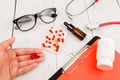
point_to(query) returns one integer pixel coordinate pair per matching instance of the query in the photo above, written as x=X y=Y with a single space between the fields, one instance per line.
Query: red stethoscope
x=92 y=26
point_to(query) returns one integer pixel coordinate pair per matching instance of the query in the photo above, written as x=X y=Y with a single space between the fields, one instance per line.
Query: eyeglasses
x=70 y=15
x=28 y=22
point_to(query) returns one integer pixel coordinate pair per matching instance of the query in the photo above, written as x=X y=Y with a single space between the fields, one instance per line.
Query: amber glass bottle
x=76 y=31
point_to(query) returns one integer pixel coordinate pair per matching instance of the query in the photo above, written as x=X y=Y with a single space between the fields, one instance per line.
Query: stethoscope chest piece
x=92 y=26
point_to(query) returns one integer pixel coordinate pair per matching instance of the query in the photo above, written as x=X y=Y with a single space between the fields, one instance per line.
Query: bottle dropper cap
x=69 y=26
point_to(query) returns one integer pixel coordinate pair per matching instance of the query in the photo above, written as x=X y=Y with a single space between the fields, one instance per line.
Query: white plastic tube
x=105 y=54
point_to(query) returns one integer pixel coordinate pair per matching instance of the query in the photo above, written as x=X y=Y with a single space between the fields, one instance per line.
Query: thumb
x=8 y=42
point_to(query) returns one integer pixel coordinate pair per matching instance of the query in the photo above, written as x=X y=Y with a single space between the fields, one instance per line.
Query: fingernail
x=38 y=51
x=40 y=59
x=42 y=55
x=12 y=37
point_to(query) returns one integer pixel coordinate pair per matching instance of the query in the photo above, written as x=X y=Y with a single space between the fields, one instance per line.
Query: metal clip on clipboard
x=72 y=60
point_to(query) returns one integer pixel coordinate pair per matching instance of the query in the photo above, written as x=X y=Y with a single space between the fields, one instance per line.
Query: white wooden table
x=103 y=11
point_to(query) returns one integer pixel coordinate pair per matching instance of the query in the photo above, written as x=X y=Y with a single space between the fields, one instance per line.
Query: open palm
x=14 y=62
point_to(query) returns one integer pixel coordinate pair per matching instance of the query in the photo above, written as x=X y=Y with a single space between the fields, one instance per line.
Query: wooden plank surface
x=103 y=11
x=35 y=37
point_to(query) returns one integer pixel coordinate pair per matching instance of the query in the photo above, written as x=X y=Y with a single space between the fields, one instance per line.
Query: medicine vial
x=76 y=31
x=105 y=54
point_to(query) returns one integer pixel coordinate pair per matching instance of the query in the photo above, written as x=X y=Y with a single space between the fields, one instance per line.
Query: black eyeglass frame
x=35 y=17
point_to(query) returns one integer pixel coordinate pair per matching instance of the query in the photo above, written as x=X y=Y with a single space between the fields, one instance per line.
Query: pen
x=72 y=60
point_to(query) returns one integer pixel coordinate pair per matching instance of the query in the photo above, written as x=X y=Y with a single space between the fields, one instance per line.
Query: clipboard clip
x=79 y=53
x=76 y=66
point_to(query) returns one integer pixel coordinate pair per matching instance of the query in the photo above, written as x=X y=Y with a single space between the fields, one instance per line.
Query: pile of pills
x=34 y=56
x=54 y=40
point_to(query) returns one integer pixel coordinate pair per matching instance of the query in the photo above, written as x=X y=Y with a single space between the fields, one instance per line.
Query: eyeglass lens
x=26 y=22
x=47 y=16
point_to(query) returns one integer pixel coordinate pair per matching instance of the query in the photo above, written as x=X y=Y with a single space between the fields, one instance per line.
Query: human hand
x=14 y=62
